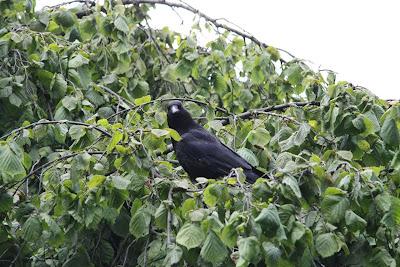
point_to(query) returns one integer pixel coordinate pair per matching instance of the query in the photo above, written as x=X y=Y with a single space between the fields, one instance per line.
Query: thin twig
x=120 y=98
x=255 y=112
x=169 y=216
x=193 y=10
x=127 y=251
x=45 y=122
x=169 y=99
x=34 y=171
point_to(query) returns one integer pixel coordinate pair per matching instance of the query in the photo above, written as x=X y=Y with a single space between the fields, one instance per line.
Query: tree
x=87 y=176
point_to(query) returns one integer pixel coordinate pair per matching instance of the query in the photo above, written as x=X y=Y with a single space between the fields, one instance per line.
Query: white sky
x=355 y=38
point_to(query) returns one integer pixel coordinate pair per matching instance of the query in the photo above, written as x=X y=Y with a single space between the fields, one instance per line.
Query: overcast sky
x=358 y=39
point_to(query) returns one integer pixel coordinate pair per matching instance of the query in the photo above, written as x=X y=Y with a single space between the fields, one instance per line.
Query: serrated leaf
x=334 y=207
x=32 y=229
x=390 y=133
x=269 y=220
x=190 y=236
x=95 y=181
x=249 y=156
x=354 y=222
x=116 y=138
x=249 y=249
x=11 y=166
x=297 y=138
x=213 y=250
x=293 y=185
x=344 y=154
x=120 y=24
x=272 y=253
x=139 y=224
x=259 y=137
x=160 y=132
x=120 y=182
x=326 y=245
x=6 y=202
x=142 y=100
x=60 y=132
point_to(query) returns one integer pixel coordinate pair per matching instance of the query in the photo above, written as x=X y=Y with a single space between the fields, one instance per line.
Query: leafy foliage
x=87 y=177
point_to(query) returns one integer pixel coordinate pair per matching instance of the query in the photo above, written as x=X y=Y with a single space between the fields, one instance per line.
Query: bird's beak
x=174 y=109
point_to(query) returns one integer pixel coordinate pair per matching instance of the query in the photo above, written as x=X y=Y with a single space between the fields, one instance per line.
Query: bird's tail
x=252 y=175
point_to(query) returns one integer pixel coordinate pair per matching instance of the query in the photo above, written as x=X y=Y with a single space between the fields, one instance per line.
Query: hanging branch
x=215 y=21
x=44 y=122
x=252 y=113
x=41 y=167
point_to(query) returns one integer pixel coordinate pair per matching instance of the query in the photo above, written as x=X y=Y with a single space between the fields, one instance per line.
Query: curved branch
x=255 y=112
x=169 y=99
x=241 y=32
x=41 y=167
x=56 y=122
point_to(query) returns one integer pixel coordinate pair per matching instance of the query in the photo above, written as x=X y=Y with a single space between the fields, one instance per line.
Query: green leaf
x=390 y=132
x=190 y=236
x=293 y=185
x=219 y=83
x=326 y=245
x=117 y=137
x=249 y=249
x=249 y=156
x=11 y=166
x=160 y=132
x=64 y=18
x=32 y=229
x=120 y=182
x=169 y=73
x=213 y=249
x=106 y=251
x=272 y=253
x=174 y=256
x=60 y=133
x=120 y=24
x=79 y=258
x=6 y=202
x=214 y=194
x=15 y=100
x=392 y=217
x=229 y=235
x=95 y=181
x=269 y=220
x=354 y=222
x=142 y=100
x=77 y=132
x=140 y=222
x=259 y=137
x=344 y=154
x=297 y=138
x=174 y=134
x=78 y=61
x=334 y=205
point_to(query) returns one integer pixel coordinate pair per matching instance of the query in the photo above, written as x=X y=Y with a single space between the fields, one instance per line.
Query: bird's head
x=179 y=118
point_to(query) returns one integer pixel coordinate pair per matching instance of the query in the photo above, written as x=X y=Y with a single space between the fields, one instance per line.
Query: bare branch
x=255 y=112
x=45 y=122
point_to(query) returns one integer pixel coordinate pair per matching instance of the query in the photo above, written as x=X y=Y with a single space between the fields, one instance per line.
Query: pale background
x=358 y=39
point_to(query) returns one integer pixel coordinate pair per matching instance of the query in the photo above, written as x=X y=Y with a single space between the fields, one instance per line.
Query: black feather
x=200 y=153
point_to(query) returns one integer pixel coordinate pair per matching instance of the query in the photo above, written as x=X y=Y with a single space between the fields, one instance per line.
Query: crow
x=199 y=152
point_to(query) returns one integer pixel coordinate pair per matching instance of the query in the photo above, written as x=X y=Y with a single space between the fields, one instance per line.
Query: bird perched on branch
x=199 y=152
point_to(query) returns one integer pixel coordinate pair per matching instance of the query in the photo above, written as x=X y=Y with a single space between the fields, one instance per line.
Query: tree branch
x=45 y=122
x=241 y=32
x=255 y=112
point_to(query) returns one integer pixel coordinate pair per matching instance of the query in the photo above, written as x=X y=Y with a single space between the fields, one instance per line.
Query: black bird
x=199 y=152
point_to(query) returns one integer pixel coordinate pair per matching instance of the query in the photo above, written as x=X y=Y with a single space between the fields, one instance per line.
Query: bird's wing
x=201 y=152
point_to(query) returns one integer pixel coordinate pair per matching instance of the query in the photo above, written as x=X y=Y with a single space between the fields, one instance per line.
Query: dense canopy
x=88 y=177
